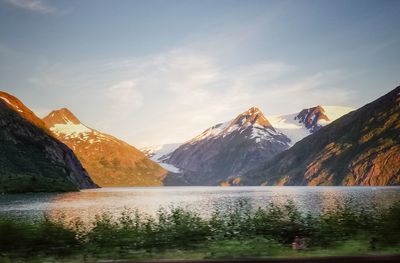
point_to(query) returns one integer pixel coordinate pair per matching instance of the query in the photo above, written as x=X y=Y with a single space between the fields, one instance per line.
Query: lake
x=87 y=203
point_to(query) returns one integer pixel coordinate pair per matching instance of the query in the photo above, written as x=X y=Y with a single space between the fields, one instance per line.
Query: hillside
x=360 y=148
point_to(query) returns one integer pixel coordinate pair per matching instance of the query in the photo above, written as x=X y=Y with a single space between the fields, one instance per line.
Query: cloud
x=174 y=95
x=36 y=6
x=124 y=97
x=190 y=77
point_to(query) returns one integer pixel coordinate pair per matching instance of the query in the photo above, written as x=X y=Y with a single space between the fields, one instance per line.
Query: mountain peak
x=251 y=123
x=253 y=110
x=252 y=116
x=63 y=121
x=312 y=118
x=61 y=116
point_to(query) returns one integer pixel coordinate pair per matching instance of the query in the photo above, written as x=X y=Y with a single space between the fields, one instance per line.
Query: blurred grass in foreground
x=240 y=232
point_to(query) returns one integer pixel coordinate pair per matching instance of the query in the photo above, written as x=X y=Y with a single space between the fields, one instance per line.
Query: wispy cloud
x=37 y=6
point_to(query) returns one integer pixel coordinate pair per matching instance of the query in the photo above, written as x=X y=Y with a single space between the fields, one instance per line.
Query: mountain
x=360 y=148
x=301 y=124
x=295 y=126
x=31 y=159
x=227 y=150
x=160 y=153
x=312 y=118
x=109 y=161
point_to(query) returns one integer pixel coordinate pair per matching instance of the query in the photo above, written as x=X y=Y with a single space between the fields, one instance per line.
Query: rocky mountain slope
x=31 y=159
x=109 y=161
x=360 y=148
x=227 y=150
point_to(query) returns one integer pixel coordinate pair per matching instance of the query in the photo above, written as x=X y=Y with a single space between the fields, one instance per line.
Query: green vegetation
x=23 y=183
x=238 y=232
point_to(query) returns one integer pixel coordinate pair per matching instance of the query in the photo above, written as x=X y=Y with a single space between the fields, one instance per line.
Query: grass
x=240 y=232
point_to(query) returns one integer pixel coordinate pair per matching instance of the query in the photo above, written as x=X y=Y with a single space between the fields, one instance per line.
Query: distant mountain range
x=31 y=159
x=109 y=161
x=360 y=148
x=228 y=150
x=321 y=145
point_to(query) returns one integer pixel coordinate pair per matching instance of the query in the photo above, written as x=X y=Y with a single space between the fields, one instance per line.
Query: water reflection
x=86 y=204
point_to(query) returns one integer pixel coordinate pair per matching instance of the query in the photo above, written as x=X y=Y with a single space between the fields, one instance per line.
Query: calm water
x=86 y=204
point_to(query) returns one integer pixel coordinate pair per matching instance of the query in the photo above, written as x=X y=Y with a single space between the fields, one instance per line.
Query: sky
x=153 y=72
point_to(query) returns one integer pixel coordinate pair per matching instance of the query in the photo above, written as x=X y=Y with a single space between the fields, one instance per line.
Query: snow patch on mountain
x=287 y=125
x=71 y=130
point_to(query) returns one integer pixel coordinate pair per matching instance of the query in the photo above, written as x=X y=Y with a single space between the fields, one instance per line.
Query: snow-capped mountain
x=228 y=149
x=299 y=125
x=109 y=161
x=312 y=118
x=251 y=123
